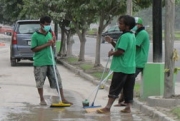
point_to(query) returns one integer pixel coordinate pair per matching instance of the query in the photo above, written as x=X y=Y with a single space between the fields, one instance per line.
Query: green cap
x=138 y=20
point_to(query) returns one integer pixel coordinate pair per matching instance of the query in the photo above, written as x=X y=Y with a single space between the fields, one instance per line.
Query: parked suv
x=20 y=47
x=113 y=32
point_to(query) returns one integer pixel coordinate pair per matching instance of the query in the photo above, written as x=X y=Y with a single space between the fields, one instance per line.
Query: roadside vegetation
x=176 y=112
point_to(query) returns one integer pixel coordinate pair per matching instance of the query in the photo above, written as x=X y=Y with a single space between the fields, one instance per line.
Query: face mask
x=134 y=29
x=47 y=28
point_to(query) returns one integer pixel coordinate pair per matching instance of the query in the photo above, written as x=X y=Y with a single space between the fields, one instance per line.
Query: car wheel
x=13 y=62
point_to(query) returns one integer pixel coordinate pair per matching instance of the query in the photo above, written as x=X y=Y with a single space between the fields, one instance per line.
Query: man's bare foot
x=43 y=102
x=120 y=104
x=126 y=110
x=103 y=110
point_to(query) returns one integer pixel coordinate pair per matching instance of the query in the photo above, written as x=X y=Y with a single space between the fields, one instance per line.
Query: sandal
x=67 y=102
x=103 y=111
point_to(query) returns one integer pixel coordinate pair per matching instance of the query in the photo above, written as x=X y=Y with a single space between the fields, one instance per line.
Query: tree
x=170 y=54
x=129 y=7
x=8 y=12
x=106 y=10
x=55 y=10
x=81 y=17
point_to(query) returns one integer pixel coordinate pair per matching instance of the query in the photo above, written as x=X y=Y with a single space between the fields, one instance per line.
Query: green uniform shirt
x=125 y=63
x=42 y=57
x=142 y=41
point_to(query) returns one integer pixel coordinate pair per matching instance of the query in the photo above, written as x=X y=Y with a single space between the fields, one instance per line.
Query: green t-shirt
x=42 y=57
x=125 y=63
x=142 y=41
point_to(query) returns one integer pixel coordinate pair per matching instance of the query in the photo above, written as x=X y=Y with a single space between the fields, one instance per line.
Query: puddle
x=31 y=112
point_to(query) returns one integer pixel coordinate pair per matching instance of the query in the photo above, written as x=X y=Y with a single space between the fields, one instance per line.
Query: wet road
x=19 y=100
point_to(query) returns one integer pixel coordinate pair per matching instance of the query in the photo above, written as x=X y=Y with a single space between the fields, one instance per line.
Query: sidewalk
x=142 y=106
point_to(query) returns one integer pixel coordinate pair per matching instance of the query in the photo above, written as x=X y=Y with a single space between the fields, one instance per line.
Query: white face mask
x=47 y=28
x=134 y=29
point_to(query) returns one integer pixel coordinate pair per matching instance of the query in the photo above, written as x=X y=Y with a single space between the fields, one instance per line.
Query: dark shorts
x=40 y=74
x=119 y=81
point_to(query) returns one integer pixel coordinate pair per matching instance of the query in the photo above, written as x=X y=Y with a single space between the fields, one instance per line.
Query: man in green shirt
x=123 y=64
x=142 y=50
x=43 y=63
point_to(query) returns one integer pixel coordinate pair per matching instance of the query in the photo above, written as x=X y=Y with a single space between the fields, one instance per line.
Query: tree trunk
x=129 y=7
x=169 y=45
x=98 y=39
x=70 y=42
x=62 y=51
x=82 y=39
x=98 y=48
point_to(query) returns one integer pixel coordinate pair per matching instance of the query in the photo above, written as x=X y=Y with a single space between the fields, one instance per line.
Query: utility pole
x=157 y=30
x=56 y=30
x=129 y=4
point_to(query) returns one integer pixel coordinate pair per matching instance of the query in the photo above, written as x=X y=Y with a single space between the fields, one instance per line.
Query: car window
x=28 y=28
x=114 y=28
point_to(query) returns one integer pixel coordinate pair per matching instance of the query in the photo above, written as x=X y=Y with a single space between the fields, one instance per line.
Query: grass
x=137 y=88
x=86 y=66
x=176 y=111
x=99 y=74
x=92 y=31
x=177 y=36
x=72 y=59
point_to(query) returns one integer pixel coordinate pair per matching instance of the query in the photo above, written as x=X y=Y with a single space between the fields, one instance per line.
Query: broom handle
x=101 y=78
x=105 y=68
x=99 y=86
x=52 y=57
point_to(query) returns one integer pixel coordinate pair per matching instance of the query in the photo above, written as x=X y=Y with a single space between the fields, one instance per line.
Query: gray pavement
x=19 y=100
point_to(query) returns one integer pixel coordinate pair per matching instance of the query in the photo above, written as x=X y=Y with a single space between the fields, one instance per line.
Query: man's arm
x=118 y=52
x=113 y=43
x=38 y=48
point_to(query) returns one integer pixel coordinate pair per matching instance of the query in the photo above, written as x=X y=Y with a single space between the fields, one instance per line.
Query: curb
x=136 y=104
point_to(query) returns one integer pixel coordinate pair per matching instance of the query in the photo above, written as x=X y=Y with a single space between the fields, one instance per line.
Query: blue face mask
x=47 y=28
x=134 y=29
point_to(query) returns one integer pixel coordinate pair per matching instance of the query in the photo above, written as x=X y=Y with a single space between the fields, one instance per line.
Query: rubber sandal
x=66 y=102
x=101 y=111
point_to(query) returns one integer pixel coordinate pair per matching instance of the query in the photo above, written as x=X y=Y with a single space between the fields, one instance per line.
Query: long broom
x=86 y=102
x=92 y=108
x=60 y=103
